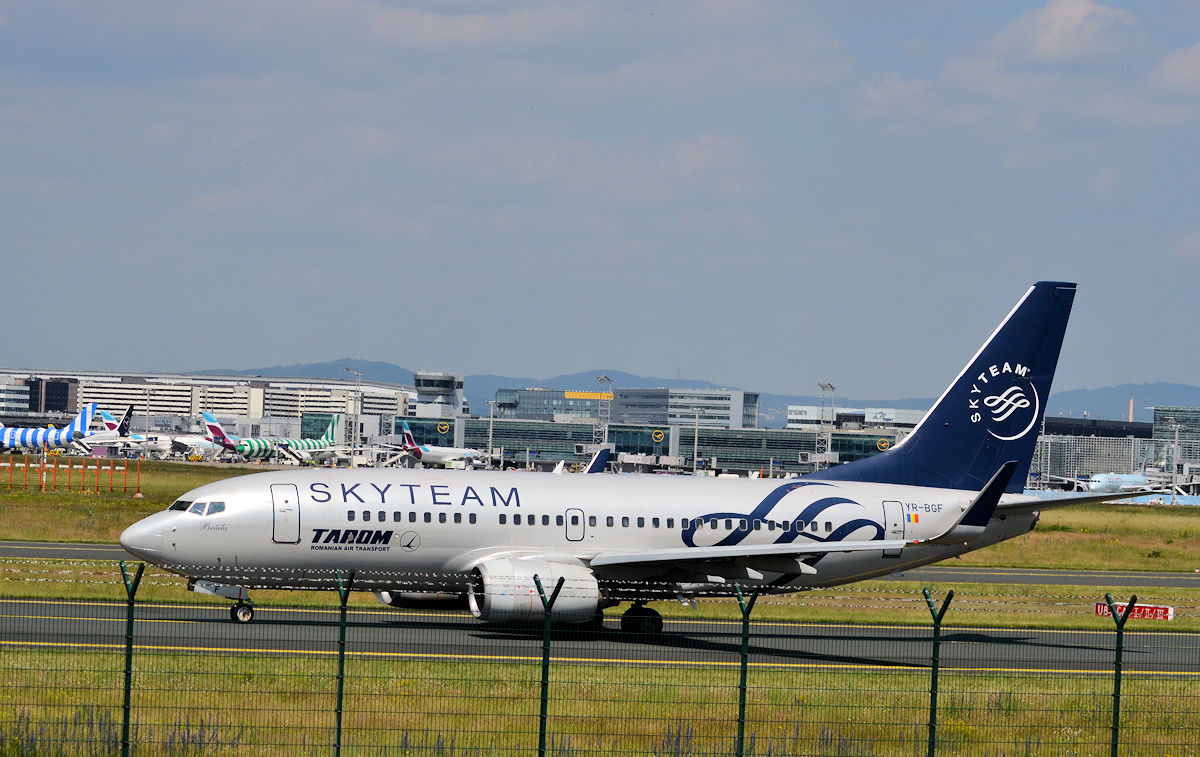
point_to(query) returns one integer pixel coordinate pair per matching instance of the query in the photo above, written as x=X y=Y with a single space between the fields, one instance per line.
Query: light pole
x=491 y=420
x=357 y=407
x=696 y=441
x=1174 y=426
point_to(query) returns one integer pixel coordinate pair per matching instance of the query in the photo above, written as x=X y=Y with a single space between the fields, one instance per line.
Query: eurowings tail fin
x=992 y=411
x=409 y=444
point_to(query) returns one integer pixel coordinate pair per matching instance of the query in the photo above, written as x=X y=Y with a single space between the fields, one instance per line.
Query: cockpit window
x=197 y=508
x=216 y=507
x=180 y=505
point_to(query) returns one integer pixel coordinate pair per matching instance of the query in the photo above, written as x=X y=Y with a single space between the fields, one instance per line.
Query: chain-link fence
x=149 y=678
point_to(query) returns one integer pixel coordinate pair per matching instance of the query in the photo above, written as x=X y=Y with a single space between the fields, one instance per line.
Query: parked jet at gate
x=429 y=454
x=300 y=450
x=35 y=438
x=952 y=486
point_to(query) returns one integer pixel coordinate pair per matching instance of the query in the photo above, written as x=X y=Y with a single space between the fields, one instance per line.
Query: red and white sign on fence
x=1147 y=612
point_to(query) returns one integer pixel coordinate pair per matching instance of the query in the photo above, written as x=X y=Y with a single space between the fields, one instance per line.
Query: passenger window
x=441 y=517
x=428 y=518
x=558 y=520
x=350 y=515
x=641 y=522
x=670 y=523
x=624 y=521
x=684 y=523
x=758 y=525
x=812 y=526
x=382 y=516
x=743 y=525
x=728 y=524
x=828 y=526
x=216 y=507
x=458 y=517
x=654 y=522
x=799 y=525
x=545 y=520
x=713 y=523
x=471 y=517
x=574 y=520
x=412 y=517
x=503 y=519
x=366 y=516
x=609 y=521
x=197 y=508
x=532 y=519
x=517 y=519
x=396 y=517
x=592 y=521
x=180 y=505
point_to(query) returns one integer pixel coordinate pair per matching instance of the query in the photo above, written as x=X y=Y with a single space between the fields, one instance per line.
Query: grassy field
x=285 y=705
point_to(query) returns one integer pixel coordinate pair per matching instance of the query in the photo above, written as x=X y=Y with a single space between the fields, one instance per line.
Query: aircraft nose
x=143 y=540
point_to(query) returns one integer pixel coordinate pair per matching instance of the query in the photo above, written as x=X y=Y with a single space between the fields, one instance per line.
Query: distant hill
x=1107 y=402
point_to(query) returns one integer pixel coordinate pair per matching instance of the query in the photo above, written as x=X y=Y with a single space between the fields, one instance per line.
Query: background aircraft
x=35 y=438
x=262 y=446
x=428 y=454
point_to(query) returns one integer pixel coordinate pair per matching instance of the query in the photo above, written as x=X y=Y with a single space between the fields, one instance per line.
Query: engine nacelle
x=415 y=600
x=504 y=590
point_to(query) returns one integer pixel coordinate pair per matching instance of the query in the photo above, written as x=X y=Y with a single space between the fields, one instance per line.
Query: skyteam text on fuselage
x=486 y=538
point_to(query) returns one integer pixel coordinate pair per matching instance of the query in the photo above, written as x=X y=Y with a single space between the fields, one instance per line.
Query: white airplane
x=428 y=454
x=487 y=538
x=113 y=434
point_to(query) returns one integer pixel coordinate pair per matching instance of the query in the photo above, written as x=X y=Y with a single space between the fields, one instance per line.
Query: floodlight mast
x=357 y=406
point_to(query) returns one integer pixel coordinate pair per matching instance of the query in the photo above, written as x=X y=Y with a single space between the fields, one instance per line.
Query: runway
x=65 y=625
x=942 y=573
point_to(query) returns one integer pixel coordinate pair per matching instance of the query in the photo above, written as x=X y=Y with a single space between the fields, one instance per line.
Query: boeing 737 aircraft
x=300 y=450
x=953 y=485
x=429 y=454
x=36 y=438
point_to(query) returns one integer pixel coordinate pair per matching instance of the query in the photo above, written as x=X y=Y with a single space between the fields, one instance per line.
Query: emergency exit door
x=286 y=504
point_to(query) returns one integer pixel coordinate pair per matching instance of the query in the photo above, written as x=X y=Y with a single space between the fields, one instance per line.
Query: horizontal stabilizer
x=975 y=518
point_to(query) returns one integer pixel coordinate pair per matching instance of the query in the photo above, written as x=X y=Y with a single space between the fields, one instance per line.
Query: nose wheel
x=241 y=613
x=643 y=620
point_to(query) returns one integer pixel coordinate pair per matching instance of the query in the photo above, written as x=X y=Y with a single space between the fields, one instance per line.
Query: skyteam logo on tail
x=1003 y=397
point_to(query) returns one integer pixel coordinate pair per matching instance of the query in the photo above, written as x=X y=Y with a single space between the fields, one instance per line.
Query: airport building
x=709 y=408
x=438 y=395
x=813 y=417
x=187 y=395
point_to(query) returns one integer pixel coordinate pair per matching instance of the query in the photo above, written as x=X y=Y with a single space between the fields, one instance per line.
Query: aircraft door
x=285 y=500
x=575 y=526
x=893 y=524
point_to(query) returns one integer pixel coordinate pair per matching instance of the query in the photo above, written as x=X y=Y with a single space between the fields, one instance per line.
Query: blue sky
x=764 y=195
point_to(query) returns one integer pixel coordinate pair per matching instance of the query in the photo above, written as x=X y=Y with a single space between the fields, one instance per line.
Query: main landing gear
x=643 y=620
x=242 y=612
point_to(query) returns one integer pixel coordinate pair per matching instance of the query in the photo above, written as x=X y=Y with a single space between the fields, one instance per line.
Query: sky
x=759 y=194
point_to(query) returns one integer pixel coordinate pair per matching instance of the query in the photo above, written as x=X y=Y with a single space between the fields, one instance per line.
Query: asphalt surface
x=403 y=635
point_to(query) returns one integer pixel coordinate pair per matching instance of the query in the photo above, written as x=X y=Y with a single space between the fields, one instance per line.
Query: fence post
x=937 y=615
x=547 y=604
x=131 y=588
x=740 y=745
x=1116 y=708
x=343 y=595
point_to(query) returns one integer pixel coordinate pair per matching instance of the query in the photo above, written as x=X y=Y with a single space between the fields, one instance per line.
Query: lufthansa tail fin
x=990 y=414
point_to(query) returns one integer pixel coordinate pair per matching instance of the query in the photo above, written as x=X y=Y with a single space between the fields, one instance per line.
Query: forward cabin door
x=286 y=503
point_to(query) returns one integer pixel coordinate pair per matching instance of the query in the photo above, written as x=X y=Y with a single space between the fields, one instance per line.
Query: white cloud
x=1104 y=181
x=1064 y=31
x=1187 y=246
x=1179 y=72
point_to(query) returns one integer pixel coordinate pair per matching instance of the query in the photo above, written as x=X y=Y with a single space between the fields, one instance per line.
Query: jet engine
x=504 y=590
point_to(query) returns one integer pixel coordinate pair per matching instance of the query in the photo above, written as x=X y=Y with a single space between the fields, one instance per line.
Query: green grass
x=213 y=704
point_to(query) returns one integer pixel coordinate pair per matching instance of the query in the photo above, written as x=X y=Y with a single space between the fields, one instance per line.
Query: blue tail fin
x=991 y=413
